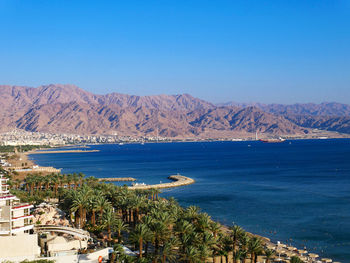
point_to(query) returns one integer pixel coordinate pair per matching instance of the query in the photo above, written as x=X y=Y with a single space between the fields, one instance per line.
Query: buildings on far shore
x=18 y=137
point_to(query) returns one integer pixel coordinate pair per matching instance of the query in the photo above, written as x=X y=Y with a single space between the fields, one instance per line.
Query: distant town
x=19 y=137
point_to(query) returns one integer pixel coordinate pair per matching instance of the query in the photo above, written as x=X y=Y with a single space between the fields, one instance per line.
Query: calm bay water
x=297 y=192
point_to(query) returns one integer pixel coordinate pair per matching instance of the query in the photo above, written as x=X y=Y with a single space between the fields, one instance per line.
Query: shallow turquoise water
x=296 y=192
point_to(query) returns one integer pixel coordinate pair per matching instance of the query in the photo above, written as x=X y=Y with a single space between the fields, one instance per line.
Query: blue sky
x=266 y=51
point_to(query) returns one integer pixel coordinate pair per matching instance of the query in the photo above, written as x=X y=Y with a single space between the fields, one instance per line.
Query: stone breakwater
x=179 y=180
x=37 y=169
x=117 y=179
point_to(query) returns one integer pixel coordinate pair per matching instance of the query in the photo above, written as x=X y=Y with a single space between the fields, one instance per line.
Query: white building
x=16 y=242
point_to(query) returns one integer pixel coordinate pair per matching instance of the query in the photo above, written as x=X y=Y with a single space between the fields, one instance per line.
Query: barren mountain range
x=69 y=109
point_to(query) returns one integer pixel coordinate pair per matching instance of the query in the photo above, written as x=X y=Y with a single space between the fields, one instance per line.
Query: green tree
x=236 y=232
x=269 y=253
x=119 y=227
x=140 y=234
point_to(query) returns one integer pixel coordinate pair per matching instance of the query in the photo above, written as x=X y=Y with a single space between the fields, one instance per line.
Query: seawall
x=179 y=180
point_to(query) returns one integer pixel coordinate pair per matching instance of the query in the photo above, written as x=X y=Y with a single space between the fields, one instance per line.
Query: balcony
x=7 y=197
x=4 y=220
x=21 y=206
x=14 y=219
x=22 y=228
x=4 y=231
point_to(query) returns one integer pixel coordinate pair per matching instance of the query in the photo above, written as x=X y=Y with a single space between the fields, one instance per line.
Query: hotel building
x=16 y=240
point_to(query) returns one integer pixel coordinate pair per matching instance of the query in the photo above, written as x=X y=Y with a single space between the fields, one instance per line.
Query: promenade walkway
x=62 y=229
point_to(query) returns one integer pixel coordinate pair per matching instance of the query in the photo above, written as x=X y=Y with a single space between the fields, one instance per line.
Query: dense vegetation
x=21 y=148
x=159 y=229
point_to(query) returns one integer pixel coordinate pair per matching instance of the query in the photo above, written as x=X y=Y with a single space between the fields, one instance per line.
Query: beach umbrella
x=271 y=246
x=326 y=260
x=290 y=253
x=302 y=251
x=282 y=245
x=313 y=255
x=291 y=248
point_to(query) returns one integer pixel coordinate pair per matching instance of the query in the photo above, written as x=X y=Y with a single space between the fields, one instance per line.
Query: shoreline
x=63 y=151
x=283 y=251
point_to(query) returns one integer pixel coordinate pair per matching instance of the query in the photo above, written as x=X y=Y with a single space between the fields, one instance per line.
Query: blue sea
x=296 y=192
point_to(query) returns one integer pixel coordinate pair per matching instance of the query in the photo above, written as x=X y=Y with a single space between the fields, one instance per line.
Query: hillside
x=69 y=109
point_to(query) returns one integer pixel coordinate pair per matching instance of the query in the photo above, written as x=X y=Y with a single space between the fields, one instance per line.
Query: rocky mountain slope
x=329 y=116
x=69 y=109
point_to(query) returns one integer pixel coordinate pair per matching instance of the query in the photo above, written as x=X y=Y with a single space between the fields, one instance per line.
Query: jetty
x=35 y=168
x=179 y=180
x=117 y=179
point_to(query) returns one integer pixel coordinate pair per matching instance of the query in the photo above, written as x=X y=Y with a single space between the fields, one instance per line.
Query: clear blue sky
x=266 y=51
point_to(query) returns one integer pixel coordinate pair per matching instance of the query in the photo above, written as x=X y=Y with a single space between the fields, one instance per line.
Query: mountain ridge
x=66 y=108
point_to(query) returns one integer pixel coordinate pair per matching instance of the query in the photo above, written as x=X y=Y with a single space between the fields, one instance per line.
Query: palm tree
x=215 y=228
x=136 y=203
x=101 y=204
x=140 y=234
x=244 y=254
x=80 y=203
x=182 y=228
x=236 y=232
x=120 y=226
x=192 y=212
x=204 y=252
x=55 y=180
x=191 y=254
x=47 y=180
x=93 y=208
x=244 y=240
x=62 y=180
x=268 y=254
x=168 y=252
x=39 y=181
x=17 y=183
x=226 y=245
x=81 y=178
x=69 y=180
x=295 y=259
x=203 y=222
x=160 y=232
x=237 y=256
x=77 y=205
x=109 y=220
x=156 y=193
x=255 y=248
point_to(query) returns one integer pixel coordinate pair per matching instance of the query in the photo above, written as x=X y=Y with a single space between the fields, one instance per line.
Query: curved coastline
x=180 y=180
